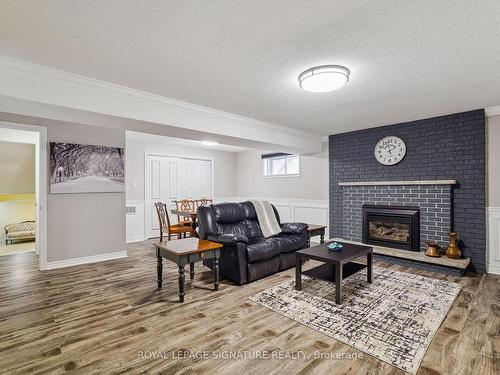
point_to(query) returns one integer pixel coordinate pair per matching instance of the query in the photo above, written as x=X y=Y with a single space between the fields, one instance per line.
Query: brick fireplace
x=432 y=198
x=443 y=174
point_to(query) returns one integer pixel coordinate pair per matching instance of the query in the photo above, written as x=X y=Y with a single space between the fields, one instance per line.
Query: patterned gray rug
x=394 y=319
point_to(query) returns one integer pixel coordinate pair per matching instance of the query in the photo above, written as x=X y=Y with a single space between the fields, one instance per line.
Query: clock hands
x=389 y=148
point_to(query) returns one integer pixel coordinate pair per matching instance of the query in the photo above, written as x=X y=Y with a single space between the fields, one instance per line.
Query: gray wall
x=80 y=225
x=224 y=166
x=85 y=224
x=17 y=168
x=311 y=184
x=445 y=147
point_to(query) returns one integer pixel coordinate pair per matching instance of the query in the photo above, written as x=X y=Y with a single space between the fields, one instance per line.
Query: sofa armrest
x=228 y=239
x=293 y=228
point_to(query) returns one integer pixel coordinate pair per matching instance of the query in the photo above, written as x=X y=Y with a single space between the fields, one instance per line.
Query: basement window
x=281 y=165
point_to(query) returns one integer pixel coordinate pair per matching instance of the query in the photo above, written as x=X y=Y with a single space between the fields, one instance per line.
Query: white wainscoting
x=493 y=256
x=135 y=222
x=309 y=211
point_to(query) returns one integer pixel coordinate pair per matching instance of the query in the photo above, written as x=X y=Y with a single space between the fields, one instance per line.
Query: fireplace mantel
x=387 y=183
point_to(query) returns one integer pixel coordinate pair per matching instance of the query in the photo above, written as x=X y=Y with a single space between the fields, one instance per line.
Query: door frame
x=41 y=183
x=147 y=213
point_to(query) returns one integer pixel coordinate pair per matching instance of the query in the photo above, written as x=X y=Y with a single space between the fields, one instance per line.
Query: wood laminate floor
x=108 y=318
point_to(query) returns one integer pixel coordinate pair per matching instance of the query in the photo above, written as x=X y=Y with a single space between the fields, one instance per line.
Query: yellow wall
x=16 y=197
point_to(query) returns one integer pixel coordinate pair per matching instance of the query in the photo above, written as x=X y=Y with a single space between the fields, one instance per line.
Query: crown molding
x=492 y=111
x=33 y=82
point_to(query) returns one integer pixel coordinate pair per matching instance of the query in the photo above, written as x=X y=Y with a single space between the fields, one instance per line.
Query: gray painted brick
x=432 y=154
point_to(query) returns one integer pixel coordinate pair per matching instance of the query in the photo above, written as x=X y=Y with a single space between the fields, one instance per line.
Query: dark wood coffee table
x=338 y=264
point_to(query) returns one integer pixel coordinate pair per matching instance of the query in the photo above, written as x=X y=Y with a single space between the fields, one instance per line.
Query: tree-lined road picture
x=76 y=168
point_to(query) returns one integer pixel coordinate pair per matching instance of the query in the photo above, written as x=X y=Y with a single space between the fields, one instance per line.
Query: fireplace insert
x=392 y=226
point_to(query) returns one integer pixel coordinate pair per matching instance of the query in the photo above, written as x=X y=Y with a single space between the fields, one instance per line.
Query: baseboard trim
x=135 y=239
x=494 y=269
x=85 y=260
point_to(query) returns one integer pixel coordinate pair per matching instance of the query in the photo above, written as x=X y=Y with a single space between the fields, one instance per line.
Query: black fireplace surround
x=392 y=226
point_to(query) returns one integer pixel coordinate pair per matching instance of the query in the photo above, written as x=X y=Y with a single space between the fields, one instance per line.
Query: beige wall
x=81 y=225
x=17 y=168
x=224 y=166
x=493 y=161
x=311 y=184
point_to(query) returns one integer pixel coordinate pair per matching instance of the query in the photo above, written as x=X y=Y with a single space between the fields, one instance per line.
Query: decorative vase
x=453 y=251
x=432 y=249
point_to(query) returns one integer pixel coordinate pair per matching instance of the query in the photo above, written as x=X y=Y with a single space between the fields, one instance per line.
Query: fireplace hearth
x=392 y=226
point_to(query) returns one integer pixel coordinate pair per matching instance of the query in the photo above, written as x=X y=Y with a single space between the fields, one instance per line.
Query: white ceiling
x=409 y=59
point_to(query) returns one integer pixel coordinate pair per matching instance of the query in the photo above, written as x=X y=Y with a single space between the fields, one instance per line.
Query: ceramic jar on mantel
x=453 y=251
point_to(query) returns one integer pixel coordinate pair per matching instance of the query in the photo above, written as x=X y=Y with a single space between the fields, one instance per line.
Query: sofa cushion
x=293 y=228
x=254 y=229
x=236 y=228
x=250 y=212
x=21 y=235
x=229 y=213
x=261 y=249
x=290 y=242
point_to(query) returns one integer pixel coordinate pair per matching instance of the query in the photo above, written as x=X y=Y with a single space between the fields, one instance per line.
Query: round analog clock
x=390 y=150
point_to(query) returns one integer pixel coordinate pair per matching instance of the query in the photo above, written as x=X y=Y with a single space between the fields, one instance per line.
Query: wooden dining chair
x=203 y=202
x=168 y=229
x=185 y=205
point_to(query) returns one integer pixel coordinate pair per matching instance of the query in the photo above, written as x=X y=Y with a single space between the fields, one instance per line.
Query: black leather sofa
x=247 y=255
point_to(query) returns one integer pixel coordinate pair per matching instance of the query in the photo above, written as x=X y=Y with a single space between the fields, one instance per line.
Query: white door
x=169 y=179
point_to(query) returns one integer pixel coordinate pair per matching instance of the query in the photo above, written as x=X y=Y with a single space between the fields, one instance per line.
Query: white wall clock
x=390 y=150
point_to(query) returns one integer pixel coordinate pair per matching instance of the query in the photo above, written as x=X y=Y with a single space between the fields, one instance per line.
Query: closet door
x=204 y=183
x=154 y=192
x=169 y=179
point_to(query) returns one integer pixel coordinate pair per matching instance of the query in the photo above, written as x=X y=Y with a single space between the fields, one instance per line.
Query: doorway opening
x=22 y=191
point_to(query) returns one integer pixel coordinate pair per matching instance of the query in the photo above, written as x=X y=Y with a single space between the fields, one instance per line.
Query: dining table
x=187 y=214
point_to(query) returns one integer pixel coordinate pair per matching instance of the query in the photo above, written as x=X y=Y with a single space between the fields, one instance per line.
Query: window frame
x=267 y=162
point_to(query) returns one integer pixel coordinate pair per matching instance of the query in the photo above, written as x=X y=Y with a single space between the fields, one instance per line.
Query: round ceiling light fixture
x=324 y=78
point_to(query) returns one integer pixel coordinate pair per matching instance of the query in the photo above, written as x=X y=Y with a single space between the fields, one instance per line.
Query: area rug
x=394 y=319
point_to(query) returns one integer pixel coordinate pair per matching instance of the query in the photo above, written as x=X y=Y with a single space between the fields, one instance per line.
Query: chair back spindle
x=163 y=219
x=203 y=202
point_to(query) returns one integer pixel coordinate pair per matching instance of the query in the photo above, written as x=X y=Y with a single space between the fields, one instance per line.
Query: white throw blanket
x=266 y=217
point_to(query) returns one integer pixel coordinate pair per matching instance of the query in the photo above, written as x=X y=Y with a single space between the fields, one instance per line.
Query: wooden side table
x=184 y=251
x=316 y=230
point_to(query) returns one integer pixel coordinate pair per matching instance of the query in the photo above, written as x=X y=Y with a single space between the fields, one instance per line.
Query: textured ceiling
x=409 y=59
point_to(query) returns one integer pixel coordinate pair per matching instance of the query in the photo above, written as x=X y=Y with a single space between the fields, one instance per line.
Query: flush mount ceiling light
x=324 y=78
x=209 y=143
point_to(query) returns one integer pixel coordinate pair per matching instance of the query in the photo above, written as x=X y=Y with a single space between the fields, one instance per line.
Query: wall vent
x=130 y=210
